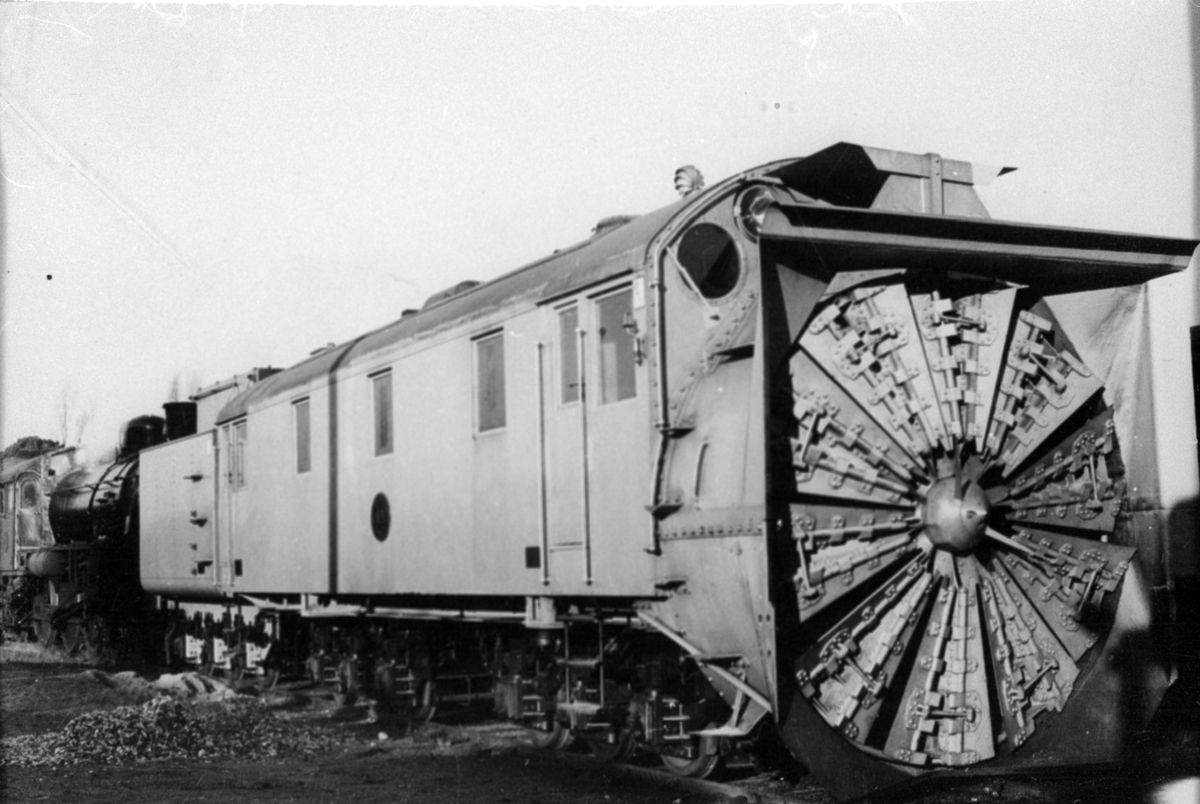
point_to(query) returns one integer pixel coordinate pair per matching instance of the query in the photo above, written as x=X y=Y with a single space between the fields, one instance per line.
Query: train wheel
x=93 y=638
x=74 y=637
x=314 y=668
x=207 y=666
x=428 y=703
x=556 y=739
x=42 y=626
x=346 y=693
x=618 y=749
x=957 y=515
x=703 y=765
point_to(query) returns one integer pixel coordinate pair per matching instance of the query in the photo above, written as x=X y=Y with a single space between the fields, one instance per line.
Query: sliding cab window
x=489 y=382
x=300 y=413
x=29 y=495
x=237 y=455
x=381 y=394
x=568 y=350
x=615 y=316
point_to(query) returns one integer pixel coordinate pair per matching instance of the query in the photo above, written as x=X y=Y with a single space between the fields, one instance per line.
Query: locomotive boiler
x=820 y=450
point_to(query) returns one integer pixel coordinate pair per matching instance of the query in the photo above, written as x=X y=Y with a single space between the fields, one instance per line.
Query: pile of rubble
x=168 y=728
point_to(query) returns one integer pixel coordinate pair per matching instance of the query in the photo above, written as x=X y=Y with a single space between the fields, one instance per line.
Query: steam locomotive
x=820 y=451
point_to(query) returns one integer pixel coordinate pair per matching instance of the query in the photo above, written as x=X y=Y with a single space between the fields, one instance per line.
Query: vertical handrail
x=583 y=438
x=543 y=523
x=663 y=424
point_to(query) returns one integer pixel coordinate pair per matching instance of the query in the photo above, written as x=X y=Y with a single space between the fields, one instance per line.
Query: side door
x=596 y=439
x=231 y=463
x=565 y=496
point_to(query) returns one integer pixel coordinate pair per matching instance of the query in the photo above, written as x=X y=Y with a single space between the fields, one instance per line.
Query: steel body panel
x=724 y=607
x=715 y=547
x=464 y=505
x=427 y=476
x=279 y=518
x=177 y=510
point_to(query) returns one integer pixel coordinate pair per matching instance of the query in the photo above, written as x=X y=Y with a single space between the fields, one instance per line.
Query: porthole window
x=710 y=257
x=381 y=516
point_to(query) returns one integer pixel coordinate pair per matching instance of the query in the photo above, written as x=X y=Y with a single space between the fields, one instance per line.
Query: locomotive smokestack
x=181 y=419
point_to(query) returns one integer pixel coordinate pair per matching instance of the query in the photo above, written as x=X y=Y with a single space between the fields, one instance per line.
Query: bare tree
x=66 y=405
x=72 y=412
x=83 y=418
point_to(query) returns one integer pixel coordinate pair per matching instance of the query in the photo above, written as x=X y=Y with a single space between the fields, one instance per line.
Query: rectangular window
x=489 y=381
x=617 y=377
x=382 y=391
x=568 y=347
x=239 y=455
x=303 y=437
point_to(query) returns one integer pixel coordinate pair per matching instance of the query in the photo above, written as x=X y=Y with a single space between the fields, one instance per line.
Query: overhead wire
x=63 y=154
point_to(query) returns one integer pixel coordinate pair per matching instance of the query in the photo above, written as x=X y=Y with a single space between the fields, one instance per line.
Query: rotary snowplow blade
x=968 y=487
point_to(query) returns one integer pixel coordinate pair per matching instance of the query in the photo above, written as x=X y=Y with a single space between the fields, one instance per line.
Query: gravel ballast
x=167 y=728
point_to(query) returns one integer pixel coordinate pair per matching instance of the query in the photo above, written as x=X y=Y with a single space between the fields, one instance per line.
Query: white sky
x=218 y=187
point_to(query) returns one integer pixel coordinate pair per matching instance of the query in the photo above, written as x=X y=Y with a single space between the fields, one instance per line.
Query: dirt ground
x=380 y=760
x=348 y=755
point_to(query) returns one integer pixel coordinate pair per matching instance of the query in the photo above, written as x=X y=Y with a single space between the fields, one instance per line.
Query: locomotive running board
x=306 y=608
